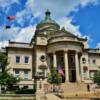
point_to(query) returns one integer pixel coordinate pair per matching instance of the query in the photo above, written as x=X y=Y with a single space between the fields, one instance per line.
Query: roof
x=93 y=51
x=19 y=45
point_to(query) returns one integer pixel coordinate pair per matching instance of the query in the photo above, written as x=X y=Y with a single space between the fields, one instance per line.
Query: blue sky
x=81 y=17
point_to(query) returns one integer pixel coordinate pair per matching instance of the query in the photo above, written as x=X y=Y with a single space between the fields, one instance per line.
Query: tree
x=3 y=61
x=6 y=79
x=96 y=77
x=55 y=77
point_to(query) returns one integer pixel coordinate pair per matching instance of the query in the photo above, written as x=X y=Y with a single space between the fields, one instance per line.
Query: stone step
x=74 y=87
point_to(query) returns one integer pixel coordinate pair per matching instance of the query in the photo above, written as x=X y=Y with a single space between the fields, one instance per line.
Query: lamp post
x=33 y=82
x=40 y=83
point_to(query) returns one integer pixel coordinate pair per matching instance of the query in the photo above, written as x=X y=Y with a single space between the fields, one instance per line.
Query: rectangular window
x=16 y=73
x=94 y=61
x=26 y=60
x=72 y=59
x=26 y=75
x=17 y=59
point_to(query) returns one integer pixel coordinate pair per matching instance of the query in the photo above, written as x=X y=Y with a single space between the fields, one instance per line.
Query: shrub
x=25 y=91
x=96 y=78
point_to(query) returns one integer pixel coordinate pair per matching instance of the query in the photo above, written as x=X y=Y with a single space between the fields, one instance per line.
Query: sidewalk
x=52 y=97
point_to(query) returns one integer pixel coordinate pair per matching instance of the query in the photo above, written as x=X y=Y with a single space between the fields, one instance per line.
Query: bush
x=55 y=77
x=96 y=77
x=25 y=91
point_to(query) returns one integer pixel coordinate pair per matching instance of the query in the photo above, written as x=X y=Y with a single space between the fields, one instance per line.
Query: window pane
x=26 y=60
x=17 y=59
x=94 y=61
x=16 y=73
x=26 y=75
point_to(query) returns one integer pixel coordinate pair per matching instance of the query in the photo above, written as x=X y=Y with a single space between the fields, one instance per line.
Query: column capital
x=54 y=52
x=76 y=52
x=65 y=51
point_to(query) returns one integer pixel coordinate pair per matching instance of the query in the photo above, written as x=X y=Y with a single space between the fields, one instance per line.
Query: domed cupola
x=47 y=23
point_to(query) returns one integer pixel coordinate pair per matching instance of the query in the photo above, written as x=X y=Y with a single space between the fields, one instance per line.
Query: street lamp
x=33 y=82
x=40 y=83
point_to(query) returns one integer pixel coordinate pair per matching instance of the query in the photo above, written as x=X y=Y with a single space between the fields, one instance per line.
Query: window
x=26 y=60
x=16 y=73
x=17 y=59
x=25 y=87
x=83 y=60
x=26 y=75
x=72 y=59
x=94 y=61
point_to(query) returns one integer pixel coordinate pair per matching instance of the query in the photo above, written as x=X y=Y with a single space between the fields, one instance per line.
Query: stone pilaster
x=82 y=77
x=66 y=66
x=77 y=67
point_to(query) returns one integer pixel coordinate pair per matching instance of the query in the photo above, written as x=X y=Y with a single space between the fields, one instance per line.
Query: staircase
x=74 y=87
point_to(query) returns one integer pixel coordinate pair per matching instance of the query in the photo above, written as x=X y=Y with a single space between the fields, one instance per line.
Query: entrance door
x=73 y=76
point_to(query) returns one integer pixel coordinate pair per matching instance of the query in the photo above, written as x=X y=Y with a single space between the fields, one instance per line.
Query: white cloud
x=87 y=2
x=3 y=43
x=16 y=34
x=25 y=34
x=6 y=3
x=66 y=22
x=74 y=29
x=30 y=4
x=98 y=45
x=6 y=34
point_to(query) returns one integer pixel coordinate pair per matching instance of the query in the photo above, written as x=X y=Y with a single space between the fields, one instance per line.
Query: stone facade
x=52 y=47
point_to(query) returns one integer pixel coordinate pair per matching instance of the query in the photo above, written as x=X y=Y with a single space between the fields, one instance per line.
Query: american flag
x=60 y=70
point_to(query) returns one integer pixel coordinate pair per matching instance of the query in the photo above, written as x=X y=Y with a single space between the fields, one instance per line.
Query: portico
x=68 y=60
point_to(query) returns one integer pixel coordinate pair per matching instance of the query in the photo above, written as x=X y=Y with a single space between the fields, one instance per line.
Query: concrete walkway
x=52 y=97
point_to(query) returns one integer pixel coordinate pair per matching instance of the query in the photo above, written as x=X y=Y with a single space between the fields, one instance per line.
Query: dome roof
x=48 y=21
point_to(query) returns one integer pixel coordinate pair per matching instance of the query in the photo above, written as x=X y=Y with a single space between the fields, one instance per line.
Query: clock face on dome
x=43 y=58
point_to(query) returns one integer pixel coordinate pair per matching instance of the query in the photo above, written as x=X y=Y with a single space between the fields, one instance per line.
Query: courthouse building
x=52 y=46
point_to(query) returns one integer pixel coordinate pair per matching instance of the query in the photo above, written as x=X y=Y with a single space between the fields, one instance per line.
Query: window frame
x=94 y=61
x=17 y=61
x=25 y=59
x=17 y=74
x=26 y=74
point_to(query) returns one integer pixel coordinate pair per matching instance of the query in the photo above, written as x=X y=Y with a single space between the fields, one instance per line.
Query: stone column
x=81 y=68
x=66 y=67
x=82 y=76
x=77 y=67
x=54 y=60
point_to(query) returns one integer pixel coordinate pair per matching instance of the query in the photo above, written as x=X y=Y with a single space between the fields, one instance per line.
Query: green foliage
x=8 y=79
x=25 y=91
x=5 y=78
x=96 y=77
x=3 y=61
x=55 y=77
